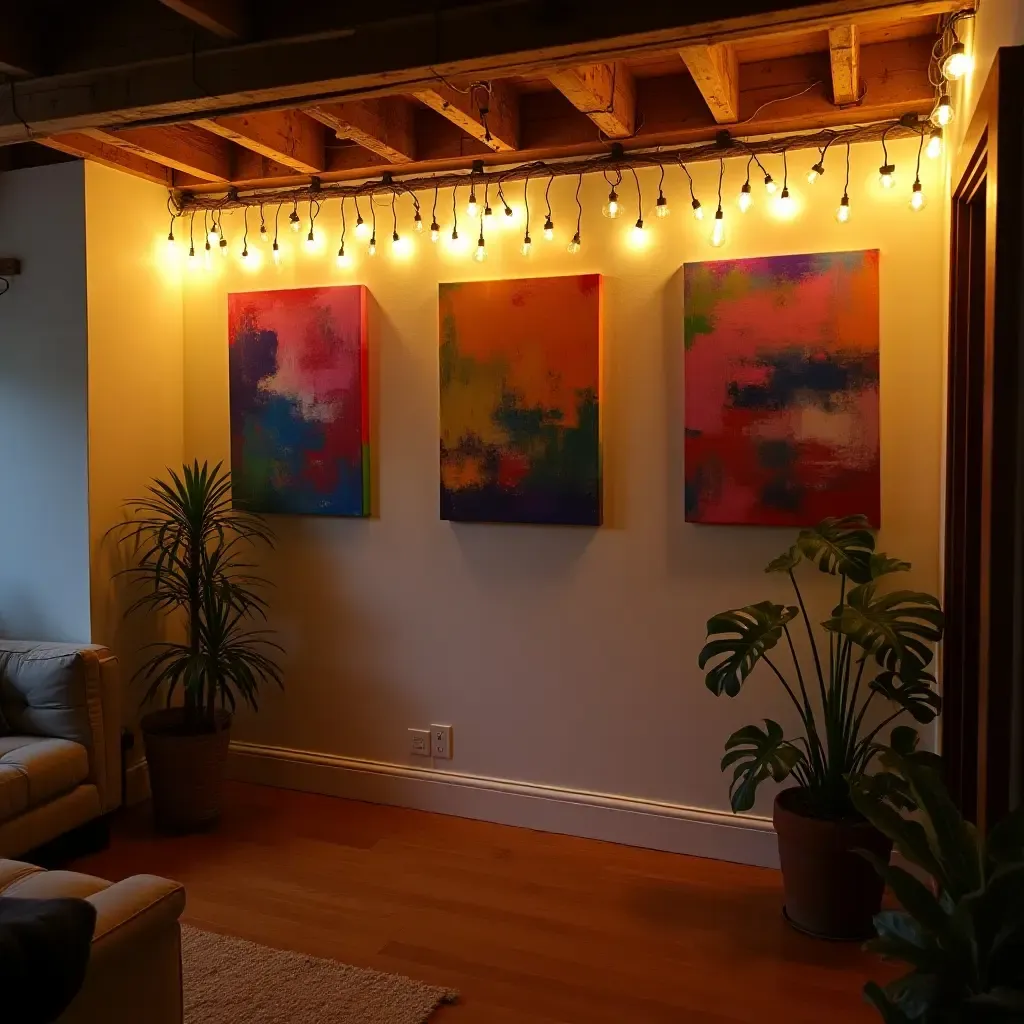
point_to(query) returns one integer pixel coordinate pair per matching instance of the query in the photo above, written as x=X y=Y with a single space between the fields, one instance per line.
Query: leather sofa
x=60 y=740
x=134 y=972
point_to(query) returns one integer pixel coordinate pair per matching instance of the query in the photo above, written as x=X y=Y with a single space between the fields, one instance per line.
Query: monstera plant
x=873 y=651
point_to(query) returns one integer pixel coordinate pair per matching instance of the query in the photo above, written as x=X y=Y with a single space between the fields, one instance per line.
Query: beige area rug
x=231 y=981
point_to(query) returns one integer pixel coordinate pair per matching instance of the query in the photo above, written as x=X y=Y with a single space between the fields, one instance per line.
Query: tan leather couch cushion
x=35 y=770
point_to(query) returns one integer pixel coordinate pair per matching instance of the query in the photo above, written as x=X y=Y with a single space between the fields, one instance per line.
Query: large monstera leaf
x=758 y=754
x=917 y=695
x=899 y=629
x=839 y=546
x=745 y=635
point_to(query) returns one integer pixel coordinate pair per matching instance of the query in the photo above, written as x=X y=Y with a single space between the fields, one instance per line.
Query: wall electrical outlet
x=419 y=742
x=441 y=740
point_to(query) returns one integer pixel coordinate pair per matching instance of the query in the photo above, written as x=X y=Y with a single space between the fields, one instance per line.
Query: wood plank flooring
x=530 y=927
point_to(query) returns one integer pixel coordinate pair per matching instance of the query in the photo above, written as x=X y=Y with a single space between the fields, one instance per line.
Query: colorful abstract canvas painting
x=781 y=389
x=520 y=401
x=299 y=416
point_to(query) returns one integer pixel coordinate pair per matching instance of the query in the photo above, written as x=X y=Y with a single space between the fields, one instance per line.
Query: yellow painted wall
x=564 y=657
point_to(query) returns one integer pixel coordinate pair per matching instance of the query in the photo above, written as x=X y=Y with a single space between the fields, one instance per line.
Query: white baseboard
x=136 y=783
x=660 y=826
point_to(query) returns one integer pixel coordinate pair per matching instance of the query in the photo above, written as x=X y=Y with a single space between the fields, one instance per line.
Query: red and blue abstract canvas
x=520 y=401
x=299 y=416
x=781 y=388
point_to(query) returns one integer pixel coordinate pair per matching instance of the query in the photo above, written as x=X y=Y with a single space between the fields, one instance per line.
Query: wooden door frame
x=982 y=719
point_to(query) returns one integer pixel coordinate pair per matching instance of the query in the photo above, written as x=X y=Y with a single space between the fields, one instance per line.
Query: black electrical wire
x=455 y=213
x=579 y=205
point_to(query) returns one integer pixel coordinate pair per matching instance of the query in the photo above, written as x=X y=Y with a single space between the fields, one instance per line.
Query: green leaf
x=899 y=629
x=915 y=994
x=745 y=636
x=840 y=546
x=785 y=562
x=891 y=1014
x=923 y=914
x=887 y=786
x=881 y=564
x=904 y=739
x=758 y=754
x=915 y=696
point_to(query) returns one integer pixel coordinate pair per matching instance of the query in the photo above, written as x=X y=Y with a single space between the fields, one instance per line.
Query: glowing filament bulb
x=342 y=260
x=471 y=208
x=396 y=242
x=612 y=209
x=191 y=252
x=170 y=240
x=372 y=248
x=843 y=210
x=223 y=247
x=245 y=252
x=661 y=206
x=263 y=232
x=212 y=237
x=917 y=197
x=745 y=198
x=488 y=212
x=958 y=62
x=527 y=244
x=275 y=254
x=293 y=220
x=718 y=230
x=816 y=171
x=887 y=175
x=549 y=229
x=769 y=184
x=361 y=228
x=574 y=245
x=208 y=257
x=481 y=250
x=310 y=241
x=934 y=148
x=417 y=222
x=943 y=112
x=435 y=231
x=784 y=204
x=638 y=231
x=698 y=210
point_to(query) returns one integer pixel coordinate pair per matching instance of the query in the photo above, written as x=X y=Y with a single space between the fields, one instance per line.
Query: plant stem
x=789 y=690
x=810 y=635
x=817 y=755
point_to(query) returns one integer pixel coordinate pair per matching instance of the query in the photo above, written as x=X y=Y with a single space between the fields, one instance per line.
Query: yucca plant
x=962 y=935
x=190 y=550
x=874 y=644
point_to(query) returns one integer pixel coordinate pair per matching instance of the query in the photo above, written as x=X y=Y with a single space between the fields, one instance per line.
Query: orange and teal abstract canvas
x=299 y=411
x=782 y=376
x=520 y=401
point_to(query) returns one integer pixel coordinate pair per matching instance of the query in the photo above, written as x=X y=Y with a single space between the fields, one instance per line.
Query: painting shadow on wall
x=521 y=553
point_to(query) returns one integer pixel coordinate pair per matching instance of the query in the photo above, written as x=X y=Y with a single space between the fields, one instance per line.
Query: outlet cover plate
x=419 y=742
x=441 y=740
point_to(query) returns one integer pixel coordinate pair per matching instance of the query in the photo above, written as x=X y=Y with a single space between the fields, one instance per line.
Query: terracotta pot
x=831 y=892
x=186 y=769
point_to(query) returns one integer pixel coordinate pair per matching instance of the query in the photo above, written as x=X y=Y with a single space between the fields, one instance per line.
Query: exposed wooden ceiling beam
x=606 y=93
x=400 y=56
x=287 y=136
x=87 y=148
x=498 y=129
x=183 y=147
x=224 y=18
x=716 y=72
x=844 y=55
x=385 y=126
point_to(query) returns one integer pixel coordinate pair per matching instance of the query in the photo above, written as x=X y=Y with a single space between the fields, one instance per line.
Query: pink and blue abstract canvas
x=299 y=410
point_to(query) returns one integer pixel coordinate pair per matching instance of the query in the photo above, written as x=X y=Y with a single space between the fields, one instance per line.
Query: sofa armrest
x=70 y=692
x=128 y=910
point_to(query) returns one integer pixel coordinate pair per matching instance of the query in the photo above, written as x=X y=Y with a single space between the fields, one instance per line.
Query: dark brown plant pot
x=831 y=891
x=186 y=769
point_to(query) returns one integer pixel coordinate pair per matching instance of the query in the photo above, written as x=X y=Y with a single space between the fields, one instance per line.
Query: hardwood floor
x=530 y=927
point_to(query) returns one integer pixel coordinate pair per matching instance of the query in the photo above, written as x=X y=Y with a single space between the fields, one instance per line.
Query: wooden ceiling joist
x=606 y=93
x=498 y=129
x=182 y=147
x=385 y=126
x=844 y=56
x=716 y=72
x=87 y=148
x=286 y=136
x=224 y=18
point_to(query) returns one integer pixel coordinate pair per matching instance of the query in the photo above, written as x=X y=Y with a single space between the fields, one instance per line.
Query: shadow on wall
x=506 y=552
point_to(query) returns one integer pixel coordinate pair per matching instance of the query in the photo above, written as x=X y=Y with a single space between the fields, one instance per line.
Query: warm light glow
x=401 y=248
x=917 y=197
x=843 y=210
x=371 y=249
x=958 y=63
x=698 y=210
x=574 y=245
x=934 y=148
x=310 y=241
x=745 y=199
x=170 y=243
x=612 y=208
x=488 y=214
x=362 y=228
x=769 y=184
x=263 y=233
x=661 y=207
x=213 y=238
x=511 y=218
x=815 y=172
x=208 y=258
x=276 y=254
x=638 y=238
x=784 y=205
x=343 y=259
x=887 y=175
x=435 y=231
x=293 y=220
x=481 y=250
x=471 y=208
x=942 y=115
x=718 y=230
x=224 y=247
x=526 y=246
x=549 y=230
x=417 y=222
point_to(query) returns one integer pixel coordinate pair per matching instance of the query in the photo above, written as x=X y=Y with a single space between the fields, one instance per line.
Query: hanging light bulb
x=245 y=251
x=698 y=210
x=574 y=245
x=293 y=220
x=745 y=199
x=958 y=62
x=223 y=246
x=371 y=249
x=887 y=175
x=310 y=241
x=275 y=254
x=527 y=244
x=917 y=196
x=396 y=242
x=417 y=222
x=481 y=249
x=934 y=147
x=212 y=237
x=784 y=204
x=170 y=238
x=661 y=206
x=362 y=230
x=549 y=229
x=718 y=229
x=612 y=208
x=191 y=254
x=342 y=259
x=638 y=231
x=816 y=171
x=208 y=255
x=435 y=230
x=943 y=112
x=263 y=231
x=471 y=207
x=488 y=212
x=769 y=184
x=843 y=210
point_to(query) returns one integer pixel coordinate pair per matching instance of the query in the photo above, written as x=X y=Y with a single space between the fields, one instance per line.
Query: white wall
x=565 y=659
x=44 y=521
